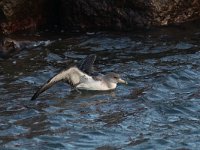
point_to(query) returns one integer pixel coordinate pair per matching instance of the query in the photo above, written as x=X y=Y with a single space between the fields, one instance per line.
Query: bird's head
x=115 y=78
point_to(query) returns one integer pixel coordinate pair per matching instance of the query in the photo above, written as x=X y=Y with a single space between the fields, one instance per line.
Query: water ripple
x=158 y=109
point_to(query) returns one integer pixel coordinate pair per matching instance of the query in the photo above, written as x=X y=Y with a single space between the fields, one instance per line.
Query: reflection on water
x=158 y=109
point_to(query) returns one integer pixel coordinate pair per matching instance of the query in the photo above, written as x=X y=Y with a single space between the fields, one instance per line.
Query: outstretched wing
x=86 y=65
x=72 y=76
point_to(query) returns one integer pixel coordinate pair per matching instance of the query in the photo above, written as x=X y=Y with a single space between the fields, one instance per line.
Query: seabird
x=81 y=77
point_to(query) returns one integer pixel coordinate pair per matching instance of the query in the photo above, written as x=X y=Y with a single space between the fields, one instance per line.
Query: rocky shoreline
x=81 y=15
x=19 y=15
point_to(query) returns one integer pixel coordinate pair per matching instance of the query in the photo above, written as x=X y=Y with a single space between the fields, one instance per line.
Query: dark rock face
x=17 y=15
x=109 y=14
x=175 y=11
x=127 y=14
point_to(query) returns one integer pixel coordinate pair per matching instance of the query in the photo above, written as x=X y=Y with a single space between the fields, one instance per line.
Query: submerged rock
x=8 y=46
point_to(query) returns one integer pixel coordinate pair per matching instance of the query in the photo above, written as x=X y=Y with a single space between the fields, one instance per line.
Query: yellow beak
x=122 y=81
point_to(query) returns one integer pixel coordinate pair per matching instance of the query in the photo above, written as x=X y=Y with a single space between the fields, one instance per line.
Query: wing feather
x=86 y=65
x=72 y=76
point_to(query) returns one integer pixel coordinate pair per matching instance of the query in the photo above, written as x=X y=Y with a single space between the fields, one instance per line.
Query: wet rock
x=18 y=15
x=127 y=14
x=8 y=46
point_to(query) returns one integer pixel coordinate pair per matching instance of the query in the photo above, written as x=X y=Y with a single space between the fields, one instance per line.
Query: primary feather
x=72 y=76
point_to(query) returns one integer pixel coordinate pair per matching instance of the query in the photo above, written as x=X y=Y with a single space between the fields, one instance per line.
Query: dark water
x=158 y=109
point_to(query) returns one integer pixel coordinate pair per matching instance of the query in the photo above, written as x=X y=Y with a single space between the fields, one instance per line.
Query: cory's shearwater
x=81 y=77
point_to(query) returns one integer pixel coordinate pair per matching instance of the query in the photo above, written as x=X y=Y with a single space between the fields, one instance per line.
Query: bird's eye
x=115 y=77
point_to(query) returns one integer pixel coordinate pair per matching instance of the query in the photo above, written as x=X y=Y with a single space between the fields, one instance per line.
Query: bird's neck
x=111 y=85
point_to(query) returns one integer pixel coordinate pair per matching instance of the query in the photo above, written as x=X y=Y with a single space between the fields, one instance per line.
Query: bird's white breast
x=91 y=84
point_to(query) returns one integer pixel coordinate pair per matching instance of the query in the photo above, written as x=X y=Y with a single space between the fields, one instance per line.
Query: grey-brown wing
x=86 y=65
x=97 y=78
x=72 y=76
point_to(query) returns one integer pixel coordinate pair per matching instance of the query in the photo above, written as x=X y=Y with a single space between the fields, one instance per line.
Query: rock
x=6 y=48
x=127 y=14
x=18 y=15
x=9 y=46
